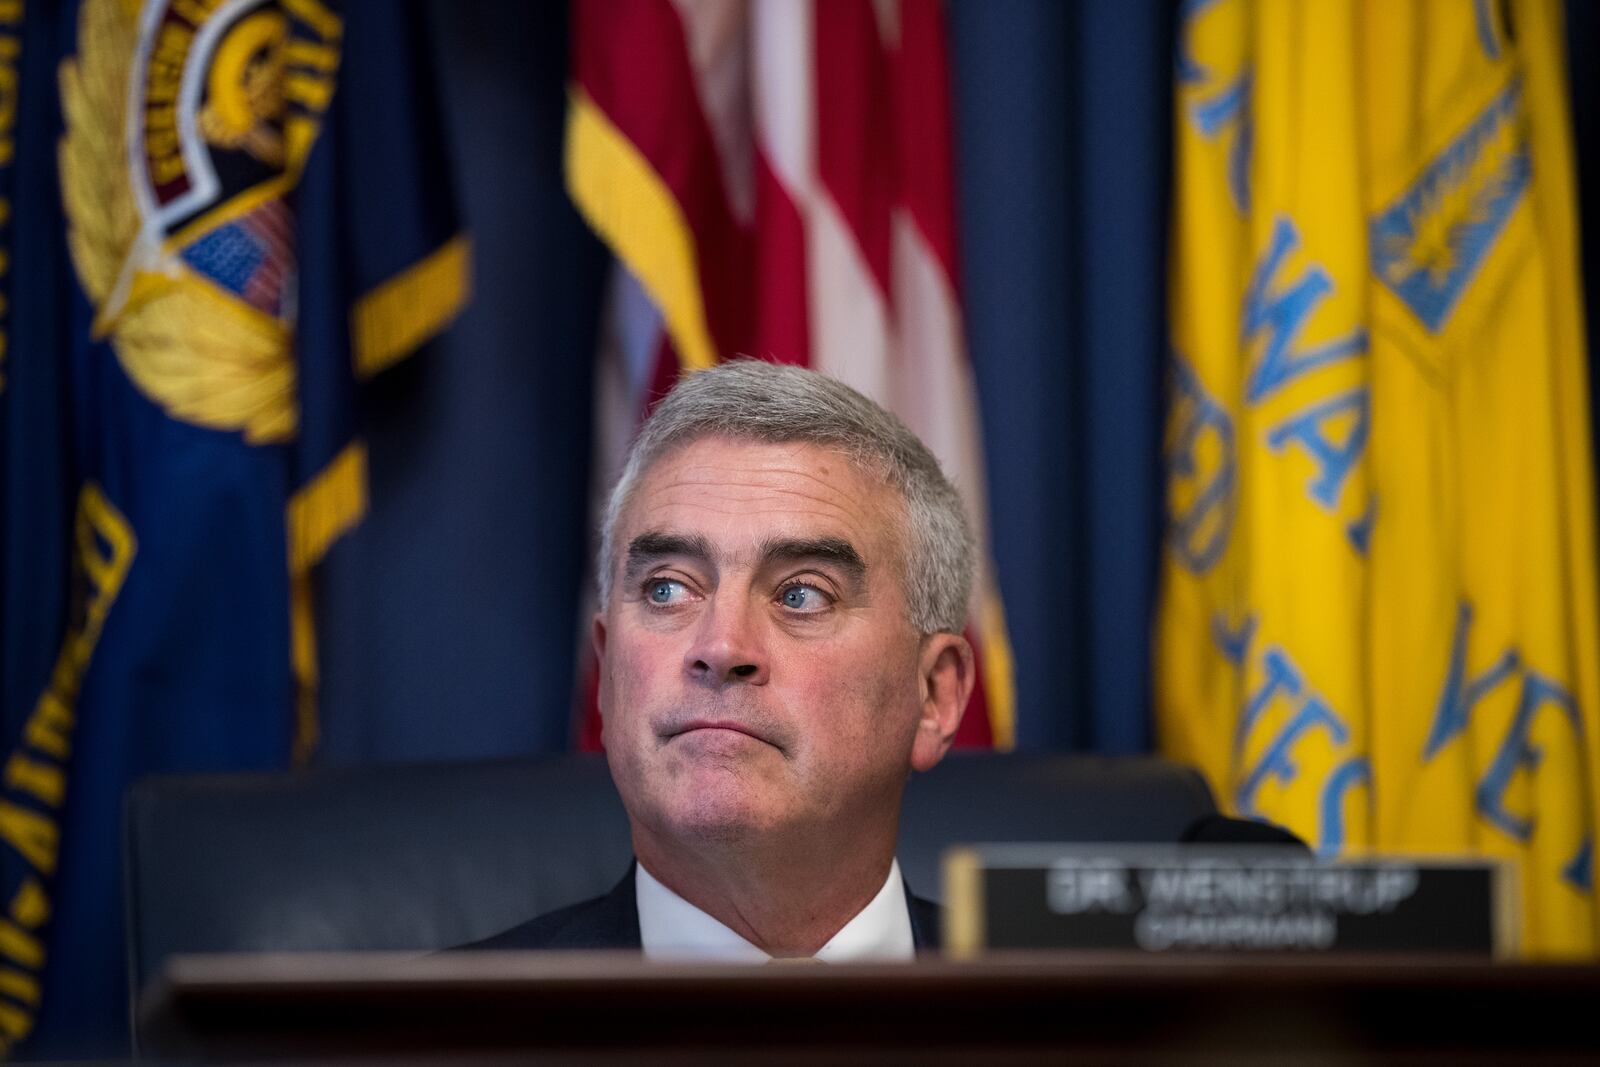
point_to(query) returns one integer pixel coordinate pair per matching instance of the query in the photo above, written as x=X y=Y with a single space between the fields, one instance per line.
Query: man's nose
x=728 y=646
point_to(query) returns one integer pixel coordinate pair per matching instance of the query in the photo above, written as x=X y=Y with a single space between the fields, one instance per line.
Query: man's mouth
x=707 y=726
x=715 y=724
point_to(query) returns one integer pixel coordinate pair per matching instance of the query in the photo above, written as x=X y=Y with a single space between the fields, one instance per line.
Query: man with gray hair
x=784 y=575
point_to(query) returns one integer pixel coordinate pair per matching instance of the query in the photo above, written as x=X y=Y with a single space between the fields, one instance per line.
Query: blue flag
x=220 y=218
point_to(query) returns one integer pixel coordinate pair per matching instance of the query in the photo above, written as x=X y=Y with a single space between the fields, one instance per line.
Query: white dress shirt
x=671 y=928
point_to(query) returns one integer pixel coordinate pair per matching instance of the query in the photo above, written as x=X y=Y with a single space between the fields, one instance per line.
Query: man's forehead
x=746 y=494
x=796 y=476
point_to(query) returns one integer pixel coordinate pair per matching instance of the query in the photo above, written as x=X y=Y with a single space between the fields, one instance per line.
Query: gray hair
x=773 y=403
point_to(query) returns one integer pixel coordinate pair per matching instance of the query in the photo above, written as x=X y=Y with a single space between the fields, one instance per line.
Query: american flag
x=252 y=256
x=775 y=180
x=272 y=227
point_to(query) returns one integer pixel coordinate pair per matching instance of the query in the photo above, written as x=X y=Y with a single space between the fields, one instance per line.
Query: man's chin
x=723 y=812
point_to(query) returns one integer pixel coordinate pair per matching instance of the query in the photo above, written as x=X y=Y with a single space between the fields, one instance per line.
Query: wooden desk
x=1013 y=1009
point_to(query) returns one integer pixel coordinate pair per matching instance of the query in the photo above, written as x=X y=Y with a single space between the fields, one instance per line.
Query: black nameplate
x=1199 y=898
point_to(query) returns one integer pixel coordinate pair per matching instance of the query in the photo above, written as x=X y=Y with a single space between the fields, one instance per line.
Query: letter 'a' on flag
x=218 y=220
x=1378 y=622
x=775 y=180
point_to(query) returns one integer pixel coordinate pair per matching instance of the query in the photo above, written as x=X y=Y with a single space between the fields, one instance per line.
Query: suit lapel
x=926 y=920
x=611 y=921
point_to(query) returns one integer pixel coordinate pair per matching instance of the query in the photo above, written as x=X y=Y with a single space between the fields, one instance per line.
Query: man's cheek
x=641 y=688
x=630 y=667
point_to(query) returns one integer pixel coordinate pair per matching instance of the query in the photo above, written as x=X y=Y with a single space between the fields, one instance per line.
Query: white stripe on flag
x=849 y=319
x=715 y=32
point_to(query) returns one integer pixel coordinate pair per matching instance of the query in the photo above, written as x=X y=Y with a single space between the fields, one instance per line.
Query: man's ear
x=946 y=676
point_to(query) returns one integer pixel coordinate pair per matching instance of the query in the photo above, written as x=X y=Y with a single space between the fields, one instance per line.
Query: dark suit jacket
x=612 y=921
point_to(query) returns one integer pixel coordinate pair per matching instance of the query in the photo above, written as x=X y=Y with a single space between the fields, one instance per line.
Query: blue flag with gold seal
x=222 y=216
x=1380 y=615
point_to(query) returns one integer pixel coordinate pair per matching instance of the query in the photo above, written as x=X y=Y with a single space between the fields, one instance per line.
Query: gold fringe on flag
x=303 y=658
x=999 y=689
x=318 y=515
x=327 y=507
x=390 y=322
x=625 y=201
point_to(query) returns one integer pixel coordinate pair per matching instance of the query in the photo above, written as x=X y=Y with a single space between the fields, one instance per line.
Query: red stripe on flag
x=855 y=141
x=631 y=57
x=921 y=72
x=975 y=730
x=783 y=327
x=589 y=708
x=272 y=220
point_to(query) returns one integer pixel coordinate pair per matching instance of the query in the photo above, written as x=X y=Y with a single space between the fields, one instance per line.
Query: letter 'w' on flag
x=219 y=218
x=775 y=180
x=1378 y=619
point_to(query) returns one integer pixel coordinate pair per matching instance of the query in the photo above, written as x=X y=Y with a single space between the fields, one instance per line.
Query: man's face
x=758 y=670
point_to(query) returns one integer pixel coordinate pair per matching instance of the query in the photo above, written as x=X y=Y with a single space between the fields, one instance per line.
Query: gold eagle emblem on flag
x=187 y=124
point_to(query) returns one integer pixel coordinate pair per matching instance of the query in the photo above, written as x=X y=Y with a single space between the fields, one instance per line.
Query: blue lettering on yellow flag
x=1282 y=310
x=1228 y=106
x=1359 y=531
x=1516 y=752
x=1276 y=761
x=1488 y=31
x=1461 y=693
x=1353 y=772
x=1199 y=532
x=1580 y=872
x=1334 y=460
x=1189 y=69
x=1231 y=108
x=1281 y=679
x=1234 y=642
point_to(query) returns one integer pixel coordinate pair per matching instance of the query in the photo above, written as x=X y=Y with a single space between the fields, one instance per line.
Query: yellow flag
x=1378 y=622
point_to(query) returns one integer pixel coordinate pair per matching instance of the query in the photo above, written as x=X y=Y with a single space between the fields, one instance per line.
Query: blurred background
x=433 y=607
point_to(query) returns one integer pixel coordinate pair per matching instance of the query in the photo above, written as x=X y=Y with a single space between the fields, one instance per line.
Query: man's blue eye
x=803 y=598
x=664 y=591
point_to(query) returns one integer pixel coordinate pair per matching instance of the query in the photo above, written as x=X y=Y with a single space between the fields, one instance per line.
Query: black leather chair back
x=424 y=857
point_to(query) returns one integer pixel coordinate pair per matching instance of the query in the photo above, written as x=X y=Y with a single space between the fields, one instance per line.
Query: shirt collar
x=671 y=928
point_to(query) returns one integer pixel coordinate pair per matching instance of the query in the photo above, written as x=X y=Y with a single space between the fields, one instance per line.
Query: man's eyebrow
x=835 y=550
x=653 y=545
